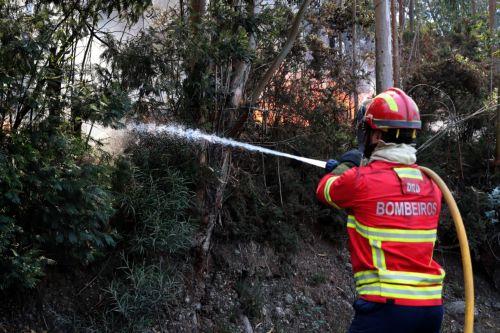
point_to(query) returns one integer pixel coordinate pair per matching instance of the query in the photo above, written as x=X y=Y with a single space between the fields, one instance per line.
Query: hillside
x=308 y=291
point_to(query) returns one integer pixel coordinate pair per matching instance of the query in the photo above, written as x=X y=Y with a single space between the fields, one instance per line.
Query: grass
x=143 y=295
x=317 y=279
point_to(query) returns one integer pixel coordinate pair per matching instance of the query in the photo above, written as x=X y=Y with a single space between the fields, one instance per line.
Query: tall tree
x=383 y=56
x=395 y=45
x=401 y=10
x=401 y=31
x=354 y=56
x=494 y=76
x=411 y=15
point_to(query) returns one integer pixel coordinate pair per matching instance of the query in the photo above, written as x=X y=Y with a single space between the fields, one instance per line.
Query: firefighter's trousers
x=371 y=317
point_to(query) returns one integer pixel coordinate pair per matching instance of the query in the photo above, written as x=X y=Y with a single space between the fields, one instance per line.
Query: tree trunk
x=54 y=86
x=473 y=7
x=494 y=78
x=340 y=48
x=411 y=15
x=211 y=196
x=197 y=10
x=238 y=82
x=195 y=110
x=401 y=21
x=340 y=4
x=354 y=58
x=402 y=17
x=383 y=57
x=395 y=45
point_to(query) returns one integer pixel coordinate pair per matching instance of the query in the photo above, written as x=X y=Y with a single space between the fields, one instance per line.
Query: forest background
x=158 y=235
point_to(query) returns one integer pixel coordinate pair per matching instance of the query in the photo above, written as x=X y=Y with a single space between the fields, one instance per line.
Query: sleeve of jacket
x=339 y=190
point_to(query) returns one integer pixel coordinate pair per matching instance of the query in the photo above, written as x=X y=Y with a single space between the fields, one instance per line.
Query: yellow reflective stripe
x=393 y=106
x=392 y=235
x=399 y=291
x=397 y=277
x=377 y=254
x=326 y=191
x=409 y=173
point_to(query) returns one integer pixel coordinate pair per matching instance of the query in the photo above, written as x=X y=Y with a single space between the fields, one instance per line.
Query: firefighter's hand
x=330 y=165
x=352 y=156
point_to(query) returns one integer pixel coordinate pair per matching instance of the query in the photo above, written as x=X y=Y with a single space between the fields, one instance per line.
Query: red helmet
x=393 y=109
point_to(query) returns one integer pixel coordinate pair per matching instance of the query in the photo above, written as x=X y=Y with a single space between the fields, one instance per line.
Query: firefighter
x=393 y=210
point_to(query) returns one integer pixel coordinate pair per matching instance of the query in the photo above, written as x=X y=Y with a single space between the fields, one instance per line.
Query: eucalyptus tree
x=384 y=64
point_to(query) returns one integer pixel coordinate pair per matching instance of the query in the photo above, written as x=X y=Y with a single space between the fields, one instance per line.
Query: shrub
x=55 y=203
x=158 y=208
x=143 y=296
x=317 y=279
x=251 y=298
x=472 y=204
x=155 y=197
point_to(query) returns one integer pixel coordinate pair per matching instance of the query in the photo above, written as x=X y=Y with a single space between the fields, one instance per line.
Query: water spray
x=195 y=135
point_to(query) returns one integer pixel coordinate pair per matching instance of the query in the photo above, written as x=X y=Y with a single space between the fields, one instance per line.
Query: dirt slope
x=249 y=286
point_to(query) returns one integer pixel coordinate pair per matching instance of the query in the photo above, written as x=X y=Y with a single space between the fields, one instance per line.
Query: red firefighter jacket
x=393 y=216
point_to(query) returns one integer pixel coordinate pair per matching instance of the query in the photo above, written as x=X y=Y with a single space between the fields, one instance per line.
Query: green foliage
x=17 y=267
x=493 y=212
x=56 y=198
x=456 y=87
x=154 y=199
x=157 y=198
x=160 y=155
x=38 y=73
x=55 y=202
x=103 y=105
x=251 y=298
x=158 y=208
x=472 y=204
x=143 y=296
x=253 y=215
x=317 y=279
x=454 y=67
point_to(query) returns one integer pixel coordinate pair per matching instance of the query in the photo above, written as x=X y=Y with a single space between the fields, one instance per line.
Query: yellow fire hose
x=464 y=249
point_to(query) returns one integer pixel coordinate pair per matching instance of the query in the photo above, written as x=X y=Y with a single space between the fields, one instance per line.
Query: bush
x=156 y=197
x=55 y=203
x=154 y=205
x=472 y=204
x=158 y=208
x=143 y=296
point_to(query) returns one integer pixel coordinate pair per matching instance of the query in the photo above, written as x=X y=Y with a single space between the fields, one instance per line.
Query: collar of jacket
x=394 y=153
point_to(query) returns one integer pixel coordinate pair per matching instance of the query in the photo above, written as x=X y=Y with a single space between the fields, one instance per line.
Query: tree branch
x=292 y=36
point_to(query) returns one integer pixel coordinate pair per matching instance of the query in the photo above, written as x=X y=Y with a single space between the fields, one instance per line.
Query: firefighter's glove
x=330 y=165
x=352 y=156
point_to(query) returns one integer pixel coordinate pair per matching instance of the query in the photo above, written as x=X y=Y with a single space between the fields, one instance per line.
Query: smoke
x=195 y=135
